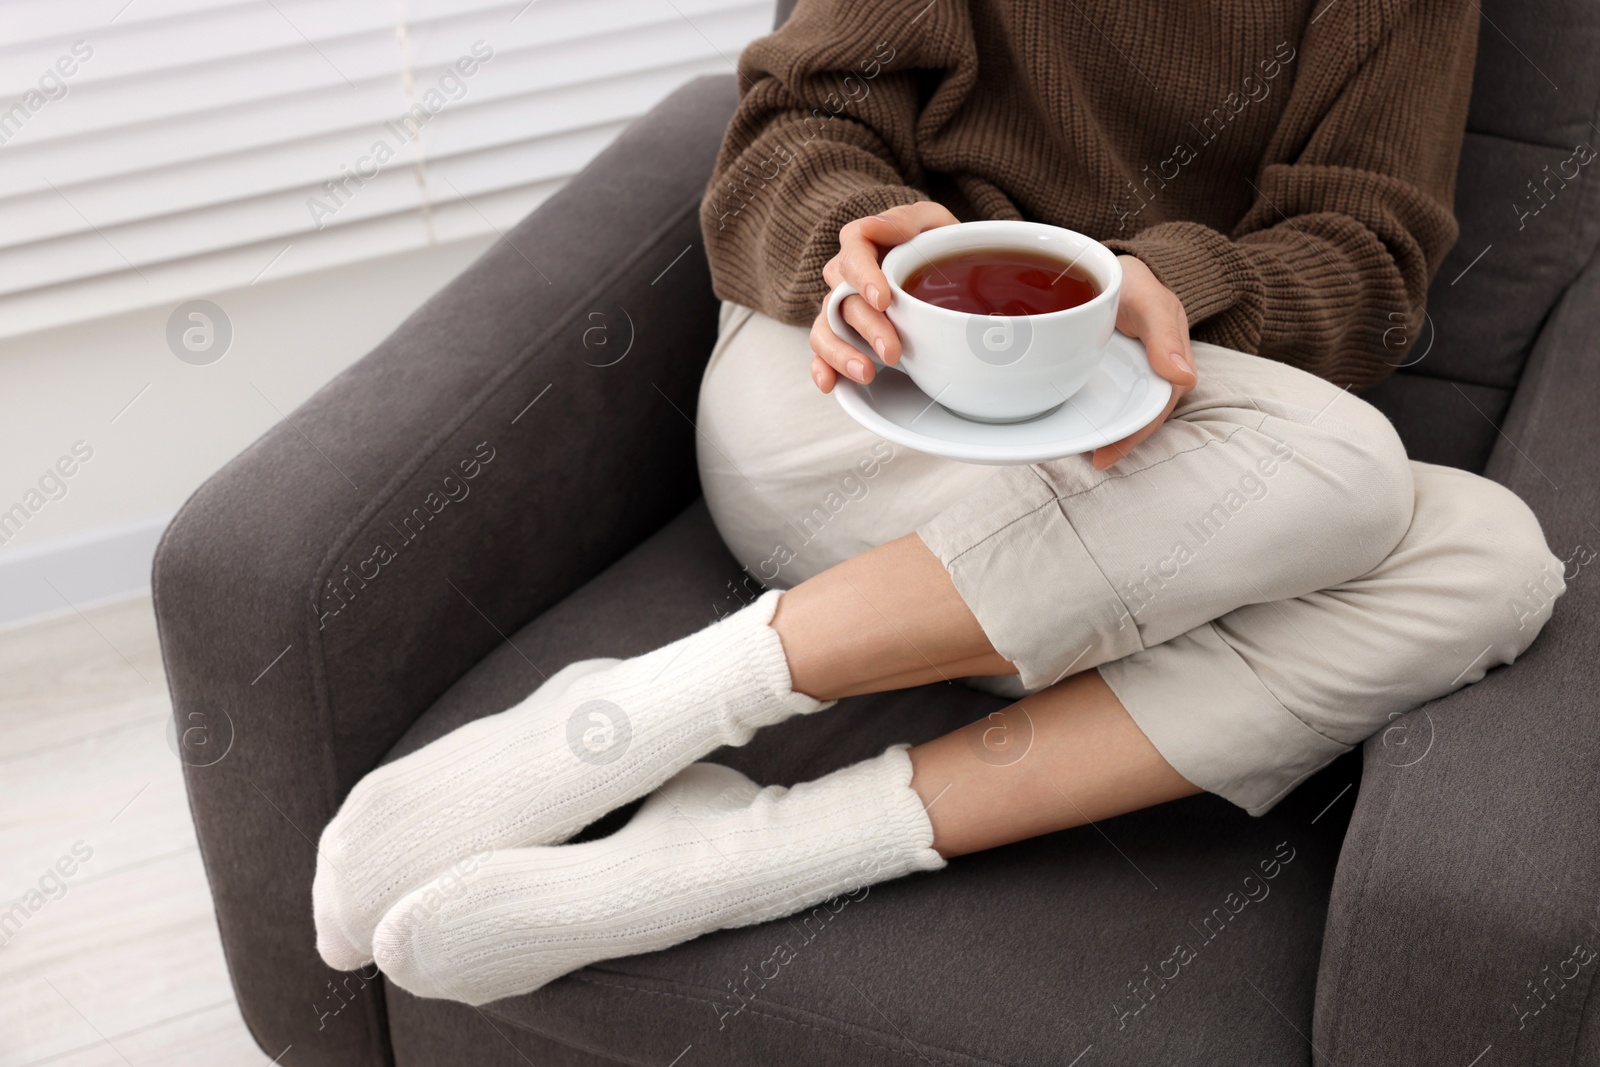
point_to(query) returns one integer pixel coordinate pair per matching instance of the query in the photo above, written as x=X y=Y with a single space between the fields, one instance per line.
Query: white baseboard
x=56 y=577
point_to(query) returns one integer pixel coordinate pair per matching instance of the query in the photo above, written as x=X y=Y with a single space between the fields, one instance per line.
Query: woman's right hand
x=862 y=245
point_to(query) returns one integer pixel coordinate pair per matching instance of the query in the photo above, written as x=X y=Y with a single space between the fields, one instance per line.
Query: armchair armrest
x=518 y=433
x=1466 y=907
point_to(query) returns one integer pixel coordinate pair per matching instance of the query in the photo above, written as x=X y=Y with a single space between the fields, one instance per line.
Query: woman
x=1223 y=602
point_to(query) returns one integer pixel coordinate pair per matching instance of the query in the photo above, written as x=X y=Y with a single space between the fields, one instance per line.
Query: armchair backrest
x=1527 y=191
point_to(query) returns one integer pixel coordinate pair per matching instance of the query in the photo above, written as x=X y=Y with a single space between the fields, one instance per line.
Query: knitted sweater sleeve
x=1329 y=269
x=825 y=134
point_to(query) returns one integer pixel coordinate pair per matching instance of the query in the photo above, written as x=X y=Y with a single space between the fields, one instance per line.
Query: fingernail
x=1183 y=361
x=816 y=378
x=872 y=297
x=879 y=347
x=857 y=369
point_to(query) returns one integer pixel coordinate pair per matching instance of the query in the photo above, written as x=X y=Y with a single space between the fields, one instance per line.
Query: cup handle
x=843 y=330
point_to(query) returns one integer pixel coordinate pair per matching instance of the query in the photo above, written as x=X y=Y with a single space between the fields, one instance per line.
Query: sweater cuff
x=1209 y=273
x=775 y=264
x=811 y=237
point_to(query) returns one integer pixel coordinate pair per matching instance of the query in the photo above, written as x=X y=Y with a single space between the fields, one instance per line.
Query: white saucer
x=1122 y=396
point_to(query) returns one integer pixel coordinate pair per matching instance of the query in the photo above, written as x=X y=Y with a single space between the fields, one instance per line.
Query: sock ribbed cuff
x=881 y=791
x=767 y=658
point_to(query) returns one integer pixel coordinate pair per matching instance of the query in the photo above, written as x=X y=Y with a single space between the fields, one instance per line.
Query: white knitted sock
x=596 y=735
x=708 y=851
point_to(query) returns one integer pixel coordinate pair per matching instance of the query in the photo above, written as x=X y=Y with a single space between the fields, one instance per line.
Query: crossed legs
x=506 y=909
x=892 y=619
x=1331 y=585
x=446 y=866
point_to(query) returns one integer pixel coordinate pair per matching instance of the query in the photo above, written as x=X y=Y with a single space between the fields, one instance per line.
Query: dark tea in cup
x=1001 y=281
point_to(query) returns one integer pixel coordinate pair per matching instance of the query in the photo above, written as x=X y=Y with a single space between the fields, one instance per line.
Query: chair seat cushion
x=1156 y=937
x=1455 y=424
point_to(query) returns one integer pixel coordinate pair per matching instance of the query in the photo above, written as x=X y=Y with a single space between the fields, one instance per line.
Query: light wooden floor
x=125 y=967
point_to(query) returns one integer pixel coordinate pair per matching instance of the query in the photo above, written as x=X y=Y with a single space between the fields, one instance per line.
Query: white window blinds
x=160 y=149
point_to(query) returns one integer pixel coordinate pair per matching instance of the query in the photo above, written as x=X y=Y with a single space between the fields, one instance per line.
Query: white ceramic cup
x=995 y=368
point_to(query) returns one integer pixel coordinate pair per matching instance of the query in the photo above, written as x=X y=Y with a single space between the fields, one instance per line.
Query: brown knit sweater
x=1287 y=168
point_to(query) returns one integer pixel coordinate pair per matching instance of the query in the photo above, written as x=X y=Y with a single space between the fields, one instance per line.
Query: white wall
x=75 y=383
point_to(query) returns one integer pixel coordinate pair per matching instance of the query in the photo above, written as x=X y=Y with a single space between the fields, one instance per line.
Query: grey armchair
x=523 y=447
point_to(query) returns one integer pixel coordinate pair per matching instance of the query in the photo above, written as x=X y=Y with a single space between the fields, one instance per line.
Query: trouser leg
x=1267 y=483
x=1257 y=613
x=1250 y=704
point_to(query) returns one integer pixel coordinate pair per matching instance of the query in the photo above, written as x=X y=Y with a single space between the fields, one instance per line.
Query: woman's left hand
x=1153 y=313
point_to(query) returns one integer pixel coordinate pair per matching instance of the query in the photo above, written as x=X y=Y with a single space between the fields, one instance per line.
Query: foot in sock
x=710 y=850
x=525 y=777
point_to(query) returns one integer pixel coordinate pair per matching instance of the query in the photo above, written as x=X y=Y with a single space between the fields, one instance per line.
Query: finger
x=874 y=326
x=1106 y=455
x=862 y=242
x=900 y=224
x=824 y=375
x=858 y=264
x=830 y=272
x=1154 y=314
x=842 y=357
x=1165 y=335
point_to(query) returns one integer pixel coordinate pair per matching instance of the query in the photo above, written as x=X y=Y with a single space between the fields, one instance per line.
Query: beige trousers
x=1264 y=583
